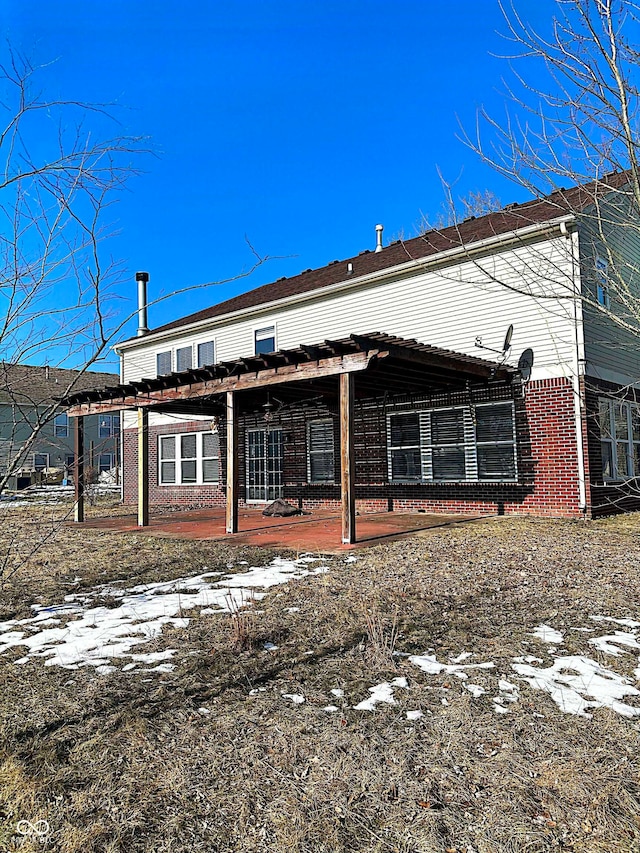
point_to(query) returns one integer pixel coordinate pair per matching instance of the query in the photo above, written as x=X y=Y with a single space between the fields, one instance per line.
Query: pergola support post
x=78 y=468
x=143 y=467
x=232 y=463
x=347 y=460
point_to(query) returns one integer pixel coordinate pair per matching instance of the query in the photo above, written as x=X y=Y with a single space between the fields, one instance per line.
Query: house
x=27 y=395
x=486 y=367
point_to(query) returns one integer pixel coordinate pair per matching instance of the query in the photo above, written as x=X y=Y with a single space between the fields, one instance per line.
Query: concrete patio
x=318 y=531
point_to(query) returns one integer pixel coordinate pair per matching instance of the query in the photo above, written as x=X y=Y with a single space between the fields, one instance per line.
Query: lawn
x=473 y=688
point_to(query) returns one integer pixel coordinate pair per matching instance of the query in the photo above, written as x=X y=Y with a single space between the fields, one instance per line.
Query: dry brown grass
x=120 y=763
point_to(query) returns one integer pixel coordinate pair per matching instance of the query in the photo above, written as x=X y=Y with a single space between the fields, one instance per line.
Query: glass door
x=264 y=464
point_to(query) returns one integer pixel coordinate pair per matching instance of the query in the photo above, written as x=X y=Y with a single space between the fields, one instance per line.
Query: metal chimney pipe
x=142 y=278
x=379 y=230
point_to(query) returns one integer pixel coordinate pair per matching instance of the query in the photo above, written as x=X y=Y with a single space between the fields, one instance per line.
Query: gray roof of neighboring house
x=30 y=385
x=509 y=219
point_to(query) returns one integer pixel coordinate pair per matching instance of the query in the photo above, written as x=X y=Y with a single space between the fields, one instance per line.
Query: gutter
x=420 y=264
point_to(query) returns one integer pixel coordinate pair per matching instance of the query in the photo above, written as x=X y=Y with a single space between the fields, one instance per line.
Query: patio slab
x=317 y=531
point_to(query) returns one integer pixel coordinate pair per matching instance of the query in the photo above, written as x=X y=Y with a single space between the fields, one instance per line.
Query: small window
x=109 y=426
x=321 y=452
x=265 y=340
x=602 y=282
x=210 y=457
x=184 y=358
x=167 y=459
x=206 y=354
x=188 y=457
x=404 y=447
x=40 y=461
x=61 y=425
x=106 y=462
x=163 y=363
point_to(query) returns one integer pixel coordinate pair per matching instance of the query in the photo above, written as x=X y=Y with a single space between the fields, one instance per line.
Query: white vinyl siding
x=448 y=307
x=320 y=452
x=453 y=445
x=189 y=459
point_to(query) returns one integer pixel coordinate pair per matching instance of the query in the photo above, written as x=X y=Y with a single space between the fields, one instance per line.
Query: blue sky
x=298 y=125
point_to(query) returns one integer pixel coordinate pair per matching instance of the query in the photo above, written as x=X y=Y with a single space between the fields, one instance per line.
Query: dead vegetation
x=211 y=757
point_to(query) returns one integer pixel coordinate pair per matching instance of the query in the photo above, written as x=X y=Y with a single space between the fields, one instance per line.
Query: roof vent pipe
x=379 y=230
x=142 y=278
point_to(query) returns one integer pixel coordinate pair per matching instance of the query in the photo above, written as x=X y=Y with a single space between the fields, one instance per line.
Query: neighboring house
x=27 y=393
x=434 y=415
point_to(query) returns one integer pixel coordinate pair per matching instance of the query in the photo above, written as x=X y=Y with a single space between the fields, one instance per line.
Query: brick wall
x=547 y=457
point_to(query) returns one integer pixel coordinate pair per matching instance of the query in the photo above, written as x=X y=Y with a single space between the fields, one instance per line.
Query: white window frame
x=112 y=428
x=613 y=440
x=470 y=445
x=263 y=337
x=61 y=425
x=45 y=456
x=199 y=457
x=602 y=282
x=311 y=452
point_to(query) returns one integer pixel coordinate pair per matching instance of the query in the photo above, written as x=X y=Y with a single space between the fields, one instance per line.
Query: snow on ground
x=381 y=693
x=80 y=631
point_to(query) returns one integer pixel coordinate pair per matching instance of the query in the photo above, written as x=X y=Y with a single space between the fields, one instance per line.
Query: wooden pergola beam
x=334 y=366
x=78 y=469
x=347 y=460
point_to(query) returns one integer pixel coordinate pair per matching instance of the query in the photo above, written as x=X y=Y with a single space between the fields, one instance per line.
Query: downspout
x=578 y=364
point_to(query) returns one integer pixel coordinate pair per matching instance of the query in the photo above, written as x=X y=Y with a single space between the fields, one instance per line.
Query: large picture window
x=619 y=424
x=458 y=444
x=188 y=459
x=321 y=451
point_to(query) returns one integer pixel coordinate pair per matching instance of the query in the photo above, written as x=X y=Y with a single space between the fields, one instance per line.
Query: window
x=184 y=358
x=321 y=454
x=404 y=447
x=40 y=461
x=265 y=339
x=619 y=439
x=109 y=426
x=61 y=425
x=465 y=443
x=602 y=282
x=106 y=462
x=189 y=459
x=206 y=354
x=163 y=363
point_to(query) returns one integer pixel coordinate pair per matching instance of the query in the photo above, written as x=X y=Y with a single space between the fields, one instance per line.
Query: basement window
x=320 y=457
x=189 y=459
x=453 y=445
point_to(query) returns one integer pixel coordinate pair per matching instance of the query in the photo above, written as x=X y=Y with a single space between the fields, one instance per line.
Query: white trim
x=417 y=266
x=199 y=458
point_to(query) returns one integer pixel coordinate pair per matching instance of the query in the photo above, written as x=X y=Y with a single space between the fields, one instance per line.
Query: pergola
x=360 y=365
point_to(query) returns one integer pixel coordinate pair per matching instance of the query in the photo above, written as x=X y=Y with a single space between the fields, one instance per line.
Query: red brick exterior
x=547 y=484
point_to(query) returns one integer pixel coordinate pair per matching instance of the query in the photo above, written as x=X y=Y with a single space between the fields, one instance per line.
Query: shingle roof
x=511 y=218
x=30 y=385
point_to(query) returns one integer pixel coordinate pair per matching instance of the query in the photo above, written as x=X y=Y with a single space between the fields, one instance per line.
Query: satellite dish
x=525 y=363
x=507 y=339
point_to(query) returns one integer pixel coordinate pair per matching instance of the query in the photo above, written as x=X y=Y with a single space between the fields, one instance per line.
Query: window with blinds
x=459 y=444
x=188 y=459
x=184 y=358
x=320 y=452
x=163 y=363
x=206 y=354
